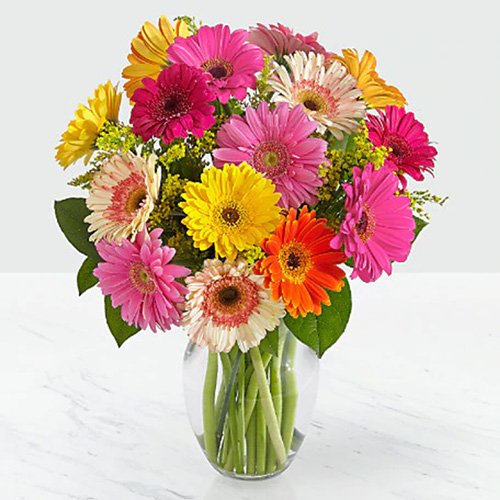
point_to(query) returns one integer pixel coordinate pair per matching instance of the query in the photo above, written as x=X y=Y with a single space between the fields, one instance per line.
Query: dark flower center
x=230 y=215
x=293 y=261
x=400 y=149
x=365 y=225
x=229 y=296
x=136 y=199
x=171 y=103
x=230 y=300
x=311 y=105
x=218 y=72
x=219 y=68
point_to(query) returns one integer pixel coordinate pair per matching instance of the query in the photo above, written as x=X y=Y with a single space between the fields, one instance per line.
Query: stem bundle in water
x=249 y=426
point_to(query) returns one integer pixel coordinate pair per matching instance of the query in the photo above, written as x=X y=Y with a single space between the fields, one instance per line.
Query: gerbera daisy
x=232 y=208
x=277 y=144
x=378 y=227
x=300 y=265
x=227 y=304
x=405 y=137
x=279 y=40
x=230 y=62
x=140 y=279
x=173 y=105
x=149 y=51
x=122 y=196
x=79 y=139
x=376 y=93
x=327 y=93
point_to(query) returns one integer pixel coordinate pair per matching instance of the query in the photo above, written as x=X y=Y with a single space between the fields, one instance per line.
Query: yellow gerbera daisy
x=232 y=208
x=376 y=93
x=79 y=138
x=149 y=51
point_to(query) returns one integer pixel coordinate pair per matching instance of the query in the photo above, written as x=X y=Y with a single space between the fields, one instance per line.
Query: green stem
x=224 y=449
x=276 y=393
x=252 y=390
x=230 y=372
x=290 y=393
x=241 y=415
x=208 y=408
x=251 y=444
x=261 y=441
x=267 y=406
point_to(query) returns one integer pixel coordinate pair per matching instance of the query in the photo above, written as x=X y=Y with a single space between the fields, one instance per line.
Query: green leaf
x=85 y=278
x=349 y=262
x=70 y=214
x=419 y=225
x=120 y=330
x=270 y=342
x=321 y=332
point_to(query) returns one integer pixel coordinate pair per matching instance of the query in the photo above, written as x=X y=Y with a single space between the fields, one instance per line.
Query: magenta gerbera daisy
x=279 y=40
x=410 y=151
x=140 y=279
x=228 y=59
x=173 y=105
x=378 y=227
x=276 y=144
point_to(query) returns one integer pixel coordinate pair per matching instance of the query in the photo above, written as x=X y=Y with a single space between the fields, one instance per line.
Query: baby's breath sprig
x=261 y=92
x=83 y=181
x=191 y=22
x=419 y=199
x=117 y=137
x=252 y=254
x=356 y=151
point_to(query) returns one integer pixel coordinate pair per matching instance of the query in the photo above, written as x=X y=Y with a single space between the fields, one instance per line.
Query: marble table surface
x=408 y=406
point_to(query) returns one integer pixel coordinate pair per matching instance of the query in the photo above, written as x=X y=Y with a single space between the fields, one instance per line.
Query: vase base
x=251 y=477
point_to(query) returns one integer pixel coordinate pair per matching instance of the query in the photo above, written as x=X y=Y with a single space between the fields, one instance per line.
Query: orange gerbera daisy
x=149 y=51
x=300 y=264
x=376 y=93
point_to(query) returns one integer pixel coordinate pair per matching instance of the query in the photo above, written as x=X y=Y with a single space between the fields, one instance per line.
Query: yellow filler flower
x=149 y=51
x=376 y=93
x=232 y=208
x=78 y=141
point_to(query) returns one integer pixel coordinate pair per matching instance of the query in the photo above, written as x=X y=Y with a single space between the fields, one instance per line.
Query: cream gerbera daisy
x=327 y=92
x=228 y=304
x=122 y=196
x=78 y=140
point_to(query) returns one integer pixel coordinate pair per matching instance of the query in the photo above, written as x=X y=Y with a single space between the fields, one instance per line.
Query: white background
x=442 y=55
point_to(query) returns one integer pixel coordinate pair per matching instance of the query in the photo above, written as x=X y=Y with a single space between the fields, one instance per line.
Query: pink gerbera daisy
x=173 y=105
x=279 y=40
x=230 y=62
x=277 y=144
x=410 y=151
x=378 y=227
x=140 y=279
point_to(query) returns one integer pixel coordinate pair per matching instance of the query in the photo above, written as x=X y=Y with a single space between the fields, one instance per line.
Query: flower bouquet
x=256 y=170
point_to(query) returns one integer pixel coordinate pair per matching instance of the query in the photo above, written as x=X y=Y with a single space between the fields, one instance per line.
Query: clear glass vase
x=250 y=411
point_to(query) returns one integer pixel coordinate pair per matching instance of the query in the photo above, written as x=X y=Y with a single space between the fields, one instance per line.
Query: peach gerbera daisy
x=149 y=51
x=228 y=304
x=300 y=264
x=122 y=196
x=327 y=92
